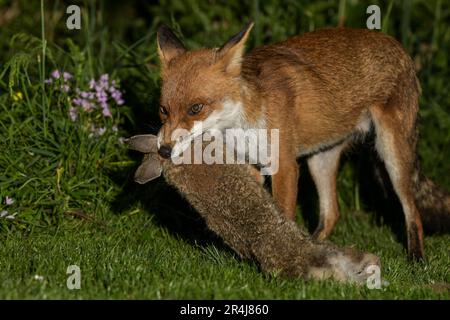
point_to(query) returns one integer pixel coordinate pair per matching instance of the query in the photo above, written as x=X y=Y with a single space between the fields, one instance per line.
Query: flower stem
x=44 y=47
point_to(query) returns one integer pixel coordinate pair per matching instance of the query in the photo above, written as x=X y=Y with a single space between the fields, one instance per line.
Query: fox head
x=201 y=89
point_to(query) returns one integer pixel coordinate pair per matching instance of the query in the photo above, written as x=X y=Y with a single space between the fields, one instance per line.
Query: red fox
x=321 y=90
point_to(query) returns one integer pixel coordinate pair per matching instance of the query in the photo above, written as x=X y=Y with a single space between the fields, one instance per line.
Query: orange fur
x=320 y=89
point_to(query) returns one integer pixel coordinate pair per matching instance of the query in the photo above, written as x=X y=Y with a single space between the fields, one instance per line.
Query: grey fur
x=237 y=208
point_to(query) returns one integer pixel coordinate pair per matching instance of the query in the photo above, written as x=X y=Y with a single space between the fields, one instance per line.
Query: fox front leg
x=285 y=186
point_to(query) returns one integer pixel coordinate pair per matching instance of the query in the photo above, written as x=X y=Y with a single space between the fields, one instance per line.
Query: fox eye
x=196 y=108
x=163 y=110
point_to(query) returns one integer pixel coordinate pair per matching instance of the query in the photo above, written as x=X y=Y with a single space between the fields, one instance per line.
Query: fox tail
x=433 y=203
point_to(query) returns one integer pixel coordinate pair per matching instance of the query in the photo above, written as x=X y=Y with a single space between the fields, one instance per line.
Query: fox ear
x=231 y=53
x=169 y=46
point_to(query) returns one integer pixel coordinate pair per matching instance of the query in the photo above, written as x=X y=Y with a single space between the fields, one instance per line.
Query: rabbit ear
x=149 y=169
x=151 y=165
x=145 y=143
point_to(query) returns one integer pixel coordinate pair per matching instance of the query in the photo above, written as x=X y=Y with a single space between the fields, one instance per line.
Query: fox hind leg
x=395 y=142
x=323 y=167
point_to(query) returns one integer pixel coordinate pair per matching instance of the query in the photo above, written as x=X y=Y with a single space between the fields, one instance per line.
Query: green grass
x=76 y=203
x=134 y=257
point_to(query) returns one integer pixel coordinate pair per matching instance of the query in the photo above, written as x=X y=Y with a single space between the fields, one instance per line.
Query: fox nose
x=165 y=151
